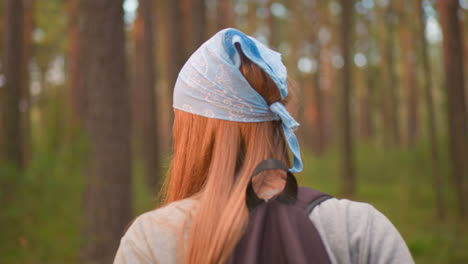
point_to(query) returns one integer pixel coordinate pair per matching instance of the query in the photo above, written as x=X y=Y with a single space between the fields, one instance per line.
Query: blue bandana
x=210 y=84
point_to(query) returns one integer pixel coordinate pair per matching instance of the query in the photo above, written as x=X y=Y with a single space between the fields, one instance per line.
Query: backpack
x=279 y=230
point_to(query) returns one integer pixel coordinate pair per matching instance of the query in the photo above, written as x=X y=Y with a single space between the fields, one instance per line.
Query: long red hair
x=212 y=162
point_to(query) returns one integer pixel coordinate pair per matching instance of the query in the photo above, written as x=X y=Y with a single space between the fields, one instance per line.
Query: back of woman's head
x=212 y=163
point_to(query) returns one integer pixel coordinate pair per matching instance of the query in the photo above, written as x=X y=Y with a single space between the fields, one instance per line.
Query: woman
x=229 y=117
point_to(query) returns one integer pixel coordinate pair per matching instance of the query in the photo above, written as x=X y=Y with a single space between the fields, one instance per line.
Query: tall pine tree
x=108 y=198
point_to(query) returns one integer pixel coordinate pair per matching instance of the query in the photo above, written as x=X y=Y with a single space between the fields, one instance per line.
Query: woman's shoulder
x=173 y=212
x=356 y=232
x=167 y=219
x=153 y=236
x=340 y=209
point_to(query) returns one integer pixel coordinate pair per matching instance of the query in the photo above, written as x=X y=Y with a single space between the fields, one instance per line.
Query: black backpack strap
x=289 y=193
x=269 y=164
x=316 y=202
x=309 y=198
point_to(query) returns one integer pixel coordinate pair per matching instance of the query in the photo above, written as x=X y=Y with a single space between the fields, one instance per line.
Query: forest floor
x=41 y=224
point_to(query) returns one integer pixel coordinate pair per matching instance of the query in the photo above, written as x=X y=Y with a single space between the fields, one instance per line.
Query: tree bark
x=366 y=124
x=199 y=26
x=186 y=23
x=319 y=141
x=329 y=80
x=171 y=55
x=252 y=17
x=2 y=38
x=25 y=101
x=77 y=94
x=295 y=79
x=408 y=72
x=176 y=38
x=366 y=104
x=193 y=25
x=390 y=107
x=273 y=40
x=224 y=13
x=318 y=96
x=108 y=195
x=465 y=51
x=456 y=105
x=143 y=96
x=13 y=143
x=427 y=73
x=347 y=169
x=392 y=85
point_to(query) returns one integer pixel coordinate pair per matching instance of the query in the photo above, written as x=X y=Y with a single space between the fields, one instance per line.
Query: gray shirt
x=352 y=232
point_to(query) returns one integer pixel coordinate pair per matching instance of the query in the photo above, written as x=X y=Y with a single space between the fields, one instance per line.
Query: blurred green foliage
x=42 y=217
x=41 y=223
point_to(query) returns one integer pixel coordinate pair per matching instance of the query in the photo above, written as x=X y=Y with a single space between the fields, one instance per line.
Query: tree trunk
x=366 y=105
x=273 y=40
x=366 y=124
x=328 y=84
x=465 y=42
x=319 y=139
x=211 y=16
x=108 y=195
x=25 y=101
x=176 y=40
x=318 y=96
x=252 y=17
x=186 y=23
x=390 y=88
x=347 y=169
x=193 y=24
x=13 y=143
x=2 y=42
x=392 y=85
x=427 y=74
x=77 y=94
x=454 y=82
x=408 y=72
x=173 y=58
x=199 y=25
x=143 y=96
x=290 y=61
x=308 y=121
x=225 y=15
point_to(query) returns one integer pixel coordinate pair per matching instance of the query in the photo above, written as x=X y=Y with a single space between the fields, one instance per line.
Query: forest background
x=85 y=112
